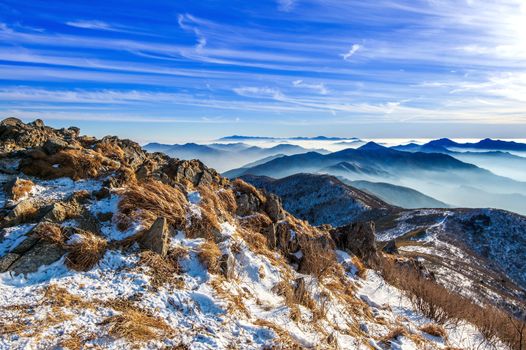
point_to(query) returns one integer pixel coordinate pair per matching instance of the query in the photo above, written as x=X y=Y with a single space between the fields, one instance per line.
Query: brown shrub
x=438 y=303
x=210 y=255
x=434 y=330
x=146 y=201
x=136 y=325
x=83 y=255
x=73 y=163
x=21 y=188
x=318 y=260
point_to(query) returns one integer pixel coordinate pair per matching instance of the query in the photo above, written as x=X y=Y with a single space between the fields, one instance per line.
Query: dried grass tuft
x=136 y=325
x=210 y=255
x=73 y=163
x=21 y=188
x=434 y=330
x=146 y=201
x=86 y=253
x=164 y=270
x=242 y=187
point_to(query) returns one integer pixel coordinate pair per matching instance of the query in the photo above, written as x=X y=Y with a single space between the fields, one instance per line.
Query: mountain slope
x=106 y=246
x=322 y=199
x=400 y=196
x=475 y=252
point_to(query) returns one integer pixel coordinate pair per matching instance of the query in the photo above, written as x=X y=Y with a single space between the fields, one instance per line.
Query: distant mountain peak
x=372 y=146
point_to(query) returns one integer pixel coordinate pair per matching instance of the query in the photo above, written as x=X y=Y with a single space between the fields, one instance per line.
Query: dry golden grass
x=438 y=303
x=394 y=333
x=50 y=232
x=135 y=325
x=21 y=188
x=434 y=330
x=86 y=253
x=318 y=260
x=57 y=296
x=146 y=201
x=205 y=225
x=227 y=197
x=221 y=201
x=361 y=270
x=73 y=341
x=72 y=163
x=242 y=187
x=285 y=341
x=255 y=222
x=234 y=299
x=110 y=149
x=209 y=254
x=164 y=270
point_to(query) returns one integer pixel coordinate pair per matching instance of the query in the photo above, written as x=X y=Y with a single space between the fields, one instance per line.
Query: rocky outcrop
x=33 y=252
x=359 y=239
x=157 y=237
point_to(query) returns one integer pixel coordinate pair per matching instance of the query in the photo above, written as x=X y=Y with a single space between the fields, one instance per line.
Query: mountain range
x=224 y=156
x=437 y=175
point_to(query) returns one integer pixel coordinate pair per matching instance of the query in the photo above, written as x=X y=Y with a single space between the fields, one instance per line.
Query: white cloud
x=260 y=92
x=182 y=21
x=286 y=5
x=321 y=88
x=90 y=24
x=351 y=52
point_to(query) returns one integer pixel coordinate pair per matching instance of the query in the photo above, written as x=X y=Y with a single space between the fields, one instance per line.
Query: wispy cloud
x=354 y=48
x=321 y=88
x=286 y=5
x=91 y=24
x=187 y=22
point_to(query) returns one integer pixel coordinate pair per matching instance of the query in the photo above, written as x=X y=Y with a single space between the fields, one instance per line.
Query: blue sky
x=194 y=70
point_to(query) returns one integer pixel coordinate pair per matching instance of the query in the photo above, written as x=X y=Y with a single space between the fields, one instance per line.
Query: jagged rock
x=274 y=208
x=286 y=238
x=270 y=233
x=54 y=145
x=104 y=192
x=24 y=210
x=358 y=238
x=7 y=260
x=157 y=237
x=42 y=253
x=390 y=247
x=39 y=123
x=59 y=212
x=227 y=264
x=247 y=204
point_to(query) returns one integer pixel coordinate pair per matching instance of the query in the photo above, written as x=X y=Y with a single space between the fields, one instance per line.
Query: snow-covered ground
x=204 y=310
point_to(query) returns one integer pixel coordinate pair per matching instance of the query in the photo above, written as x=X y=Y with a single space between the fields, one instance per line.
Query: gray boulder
x=157 y=237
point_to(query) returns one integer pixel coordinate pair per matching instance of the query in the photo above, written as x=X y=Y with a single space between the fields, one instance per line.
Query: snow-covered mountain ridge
x=106 y=246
